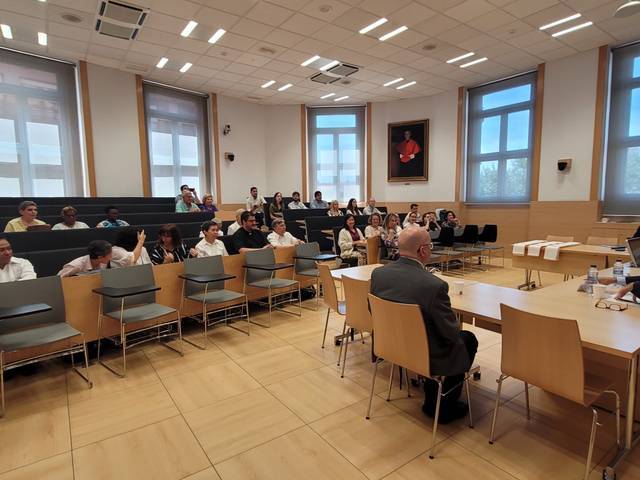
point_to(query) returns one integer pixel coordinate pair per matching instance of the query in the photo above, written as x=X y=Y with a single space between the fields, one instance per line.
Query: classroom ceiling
x=268 y=40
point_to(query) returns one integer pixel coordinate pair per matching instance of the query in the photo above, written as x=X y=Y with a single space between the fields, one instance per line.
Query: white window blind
x=39 y=131
x=500 y=141
x=622 y=164
x=177 y=136
x=336 y=152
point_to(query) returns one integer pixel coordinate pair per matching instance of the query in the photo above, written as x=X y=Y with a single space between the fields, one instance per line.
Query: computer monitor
x=633 y=247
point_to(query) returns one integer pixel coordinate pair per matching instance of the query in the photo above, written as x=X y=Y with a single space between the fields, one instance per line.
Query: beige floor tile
x=198 y=388
x=452 y=461
x=43 y=391
x=377 y=446
x=278 y=364
x=300 y=454
x=162 y=451
x=486 y=338
x=328 y=354
x=301 y=330
x=318 y=393
x=59 y=467
x=360 y=370
x=99 y=418
x=235 y=425
x=207 y=474
x=489 y=373
x=237 y=344
x=166 y=362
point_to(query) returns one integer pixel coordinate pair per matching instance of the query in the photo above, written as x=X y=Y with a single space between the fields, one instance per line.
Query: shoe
x=455 y=412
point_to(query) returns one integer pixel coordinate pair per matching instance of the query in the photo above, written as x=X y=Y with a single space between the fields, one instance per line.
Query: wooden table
x=359 y=273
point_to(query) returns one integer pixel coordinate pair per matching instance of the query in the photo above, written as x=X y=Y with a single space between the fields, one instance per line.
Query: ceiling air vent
x=324 y=78
x=343 y=70
x=120 y=19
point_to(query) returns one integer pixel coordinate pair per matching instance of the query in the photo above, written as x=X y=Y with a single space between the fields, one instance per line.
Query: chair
x=260 y=270
x=467 y=243
x=306 y=257
x=358 y=315
x=547 y=352
x=330 y=298
x=401 y=339
x=489 y=234
x=128 y=296
x=602 y=241
x=373 y=250
x=203 y=282
x=445 y=250
x=32 y=315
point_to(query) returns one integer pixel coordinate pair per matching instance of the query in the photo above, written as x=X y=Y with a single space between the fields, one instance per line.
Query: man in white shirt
x=371 y=207
x=414 y=209
x=280 y=237
x=296 y=204
x=210 y=246
x=255 y=202
x=233 y=228
x=100 y=253
x=13 y=269
x=69 y=220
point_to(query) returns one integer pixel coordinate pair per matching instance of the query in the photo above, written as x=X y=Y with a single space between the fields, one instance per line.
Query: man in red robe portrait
x=407 y=149
x=410 y=156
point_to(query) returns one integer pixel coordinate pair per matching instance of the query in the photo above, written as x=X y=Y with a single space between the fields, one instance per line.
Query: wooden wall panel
x=512 y=221
x=562 y=218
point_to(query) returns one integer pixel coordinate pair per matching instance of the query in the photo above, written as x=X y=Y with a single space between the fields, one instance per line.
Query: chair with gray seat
x=203 y=282
x=32 y=315
x=306 y=261
x=260 y=272
x=128 y=296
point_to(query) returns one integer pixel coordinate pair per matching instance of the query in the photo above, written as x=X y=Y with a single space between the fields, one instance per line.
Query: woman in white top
x=334 y=209
x=352 y=207
x=210 y=246
x=129 y=248
x=234 y=227
x=69 y=220
x=374 y=229
x=280 y=237
x=411 y=221
x=349 y=238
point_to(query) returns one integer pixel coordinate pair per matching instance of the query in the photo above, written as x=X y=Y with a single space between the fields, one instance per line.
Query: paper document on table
x=552 y=252
x=534 y=250
x=519 y=248
x=630 y=298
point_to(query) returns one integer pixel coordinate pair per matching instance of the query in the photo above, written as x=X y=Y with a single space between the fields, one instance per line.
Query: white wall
x=116 y=143
x=567 y=126
x=283 y=162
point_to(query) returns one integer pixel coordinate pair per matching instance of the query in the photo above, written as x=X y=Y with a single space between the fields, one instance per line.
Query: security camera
x=227 y=130
x=564 y=164
x=229 y=156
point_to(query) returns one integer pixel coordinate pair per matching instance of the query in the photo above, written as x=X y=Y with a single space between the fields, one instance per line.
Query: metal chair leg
x=592 y=441
x=2 y=383
x=435 y=420
x=326 y=324
x=495 y=410
x=406 y=376
x=615 y=394
x=390 y=383
x=373 y=384
x=467 y=388
x=123 y=339
x=526 y=398
x=344 y=360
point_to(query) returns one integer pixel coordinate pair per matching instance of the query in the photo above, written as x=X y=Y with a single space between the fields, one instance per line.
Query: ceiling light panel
x=561 y=21
x=186 y=31
x=572 y=29
x=327 y=95
x=393 y=33
x=284 y=87
x=340 y=98
x=268 y=84
x=6 y=31
x=163 y=61
x=329 y=65
x=42 y=39
x=186 y=67
x=405 y=85
x=474 y=62
x=309 y=61
x=373 y=25
x=217 y=36
x=392 y=82
x=461 y=57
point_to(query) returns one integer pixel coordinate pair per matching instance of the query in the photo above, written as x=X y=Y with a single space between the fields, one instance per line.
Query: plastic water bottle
x=592 y=278
x=618 y=272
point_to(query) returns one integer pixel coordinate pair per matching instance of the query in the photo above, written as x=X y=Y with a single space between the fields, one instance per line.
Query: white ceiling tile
x=31 y=9
x=157 y=37
x=302 y=24
x=165 y=23
x=228 y=76
x=517 y=59
x=224 y=53
x=407 y=39
x=293 y=56
x=411 y=14
x=383 y=66
x=211 y=63
x=436 y=25
x=581 y=5
x=524 y=8
x=265 y=74
x=181 y=56
x=104 y=61
x=270 y=14
x=240 y=68
x=313 y=46
x=383 y=7
x=602 y=12
x=148 y=48
x=355 y=19
x=108 y=41
x=361 y=43
x=529 y=38
x=178 y=8
x=239 y=42
x=383 y=50
x=203 y=71
x=251 y=29
x=469 y=9
x=556 y=54
x=548 y=15
x=327 y=10
x=332 y=34
x=60 y=43
x=278 y=66
x=492 y=20
x=141 y=59
x=441 y=5
x=214 y=19
x=237 y=7
x=511 y=30
x=477 y=43
x=67 y=31
x=283 y=38
x=459 y=34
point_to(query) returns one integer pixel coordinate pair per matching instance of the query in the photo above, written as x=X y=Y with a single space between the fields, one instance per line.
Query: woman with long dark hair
x=170 y=248
x=349 y=238
x=352 y=207
x=276 y=207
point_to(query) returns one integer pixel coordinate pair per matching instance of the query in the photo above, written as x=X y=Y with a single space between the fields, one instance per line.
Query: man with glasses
x=249 y=237
x=451 y=350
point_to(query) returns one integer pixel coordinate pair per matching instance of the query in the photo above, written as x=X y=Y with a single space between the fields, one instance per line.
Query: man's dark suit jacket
x=406 y=281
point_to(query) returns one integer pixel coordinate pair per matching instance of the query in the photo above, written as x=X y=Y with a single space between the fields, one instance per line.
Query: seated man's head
x=372 y=202
x=414 y=207
x=112 y=213
x=279 y=226
x=69 y=215
x=6 y=252
x=211 y=230
x=99 y=251
x=431 y=216
x=184 y=188
x=248 y=221
x=187 y=197
x=451 y=216
x=28 y=210
x=415 y=243
x=296 y=196
x=254 y=192
x=317 y=195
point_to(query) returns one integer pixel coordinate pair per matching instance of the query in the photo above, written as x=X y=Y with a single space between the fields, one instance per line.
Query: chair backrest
x=543 y=351
x=401 y=337
x=559 y=238
x=330 y=296
x=40 y=290
x=336 y=236
x=469 y=234
x=355 y=294
x=203 y=266
x=446 y=237
x=602 y=241
x=306 y=250
x=264 y=256
x=373 y=249
x=489 y=234
x=135 y=276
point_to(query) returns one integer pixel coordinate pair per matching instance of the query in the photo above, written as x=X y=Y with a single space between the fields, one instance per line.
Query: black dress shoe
x=455 y=412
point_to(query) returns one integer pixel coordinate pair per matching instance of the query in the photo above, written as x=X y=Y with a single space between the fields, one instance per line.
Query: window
x=500 y=141
x=177 y=140
x=336 y=152
x=622 y=163
x=39 y=143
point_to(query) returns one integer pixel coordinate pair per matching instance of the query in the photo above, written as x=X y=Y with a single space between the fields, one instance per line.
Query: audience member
x=112 y=219
x=374 y=229
x=334 y=209
x=99 y=257
x=429 y=221
x=371 y=207
x=255 y=203
x=28 y=213
x=183 y=190
x=170 y=248
x=280 y=237
x=390 y=235
x=349 y=238
x=412 y=209
x=210 y=246
x=276 y=207
x=296 y=204
x=129 y=248
x=411 y=221
x=13 y=269
x=235 y=226
x=451 y=350
x=69 y=221
x=451 y=221
x=207 y=204
x=317 y=201
x=249 y=237
x=186 y=205
x=352 y=207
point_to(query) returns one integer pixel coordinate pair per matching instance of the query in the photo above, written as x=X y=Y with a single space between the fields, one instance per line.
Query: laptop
x=633 y=247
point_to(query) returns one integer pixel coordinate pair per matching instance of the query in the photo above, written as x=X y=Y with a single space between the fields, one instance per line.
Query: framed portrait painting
x=408 y=157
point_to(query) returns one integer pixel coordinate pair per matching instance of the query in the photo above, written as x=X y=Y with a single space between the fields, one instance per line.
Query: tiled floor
x=273 y=406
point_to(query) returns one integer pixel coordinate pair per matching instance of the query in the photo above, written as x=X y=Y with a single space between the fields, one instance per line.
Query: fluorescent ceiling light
x=340 y=98
x=284 y=87
x=461 y=57
x=163 y=61
x=393 y=33
x=561 y=21
x=327 y=95
x=375 y=24
x=388 y=84
x=42 y=39
x=217 y=36
x=309 y=61
x=6 y=31
x=479 y=60
x=572 y=29
x=186 y=67
x=189 y=28
x=268 y=84
x=329 y=65
x=405 y=85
